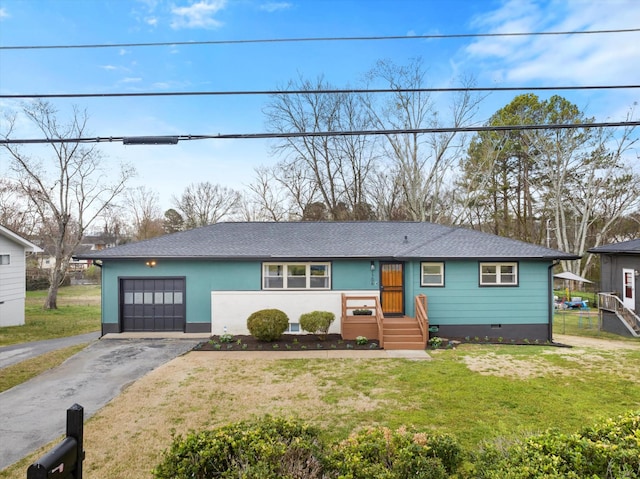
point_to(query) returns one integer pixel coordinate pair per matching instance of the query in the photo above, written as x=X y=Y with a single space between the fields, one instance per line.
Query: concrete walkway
x=417 y=355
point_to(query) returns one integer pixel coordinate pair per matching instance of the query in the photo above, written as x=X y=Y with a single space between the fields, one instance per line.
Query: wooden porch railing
x=422 y=317
x=372 y=303
x=379 y=318
x=613 y=303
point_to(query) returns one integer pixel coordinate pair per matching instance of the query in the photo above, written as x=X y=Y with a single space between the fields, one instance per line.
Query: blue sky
x=497 y=61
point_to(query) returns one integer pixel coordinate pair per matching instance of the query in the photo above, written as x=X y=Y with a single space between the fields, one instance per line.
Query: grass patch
x=475 y=392
x=575 y=323
x=78 y=313
x=15 y=374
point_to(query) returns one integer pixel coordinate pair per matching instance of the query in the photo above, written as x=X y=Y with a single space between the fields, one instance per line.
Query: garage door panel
x=152 y=304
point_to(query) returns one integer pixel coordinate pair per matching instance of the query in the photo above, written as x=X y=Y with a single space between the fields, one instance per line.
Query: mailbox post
x=64 y=461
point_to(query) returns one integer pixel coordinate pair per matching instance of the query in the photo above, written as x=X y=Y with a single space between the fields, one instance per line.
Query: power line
x=318 y=92
x=174 y=139
x=315 y=39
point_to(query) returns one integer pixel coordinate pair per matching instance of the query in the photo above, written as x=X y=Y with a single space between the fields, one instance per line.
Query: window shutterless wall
x=204 y=276
x=463 y=301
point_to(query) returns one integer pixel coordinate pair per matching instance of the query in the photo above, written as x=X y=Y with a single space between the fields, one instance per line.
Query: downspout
x=550 y=309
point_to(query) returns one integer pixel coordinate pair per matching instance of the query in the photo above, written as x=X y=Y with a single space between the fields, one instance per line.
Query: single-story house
x=210 y=279
x=619 y=301
x=13 y=249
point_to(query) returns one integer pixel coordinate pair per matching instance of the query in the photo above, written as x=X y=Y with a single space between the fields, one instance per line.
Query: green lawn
x=476 y=392
x=78 y=313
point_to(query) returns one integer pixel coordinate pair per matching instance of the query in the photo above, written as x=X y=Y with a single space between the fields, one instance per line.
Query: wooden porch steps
x=402 y=333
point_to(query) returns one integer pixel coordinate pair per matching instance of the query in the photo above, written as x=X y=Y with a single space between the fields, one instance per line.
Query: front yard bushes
x=267 y=448
x=267 y=324
x=610 y=450
x=382 y=453
x=277 y=448
x=317 y=322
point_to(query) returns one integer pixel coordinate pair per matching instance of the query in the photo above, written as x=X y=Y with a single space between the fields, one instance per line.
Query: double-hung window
x=432 y=274
x=5 y=259
x=498 y=274
x=296 y=276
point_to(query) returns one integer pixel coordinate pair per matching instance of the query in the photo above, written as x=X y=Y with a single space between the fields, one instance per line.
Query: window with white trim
x=296 y=276
x=498 y=274
x=5 y=259
x=432 y=274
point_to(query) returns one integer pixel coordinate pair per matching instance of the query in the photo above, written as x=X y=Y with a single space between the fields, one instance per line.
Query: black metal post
x=63 y=461
x=75 y=429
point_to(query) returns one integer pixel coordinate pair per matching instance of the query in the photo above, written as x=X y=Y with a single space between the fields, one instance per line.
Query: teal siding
x=201 y=278
x=460 y=302
x=354 y=275
x=463 y=301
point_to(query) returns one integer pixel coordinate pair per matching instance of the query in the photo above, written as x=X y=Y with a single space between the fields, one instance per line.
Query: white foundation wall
x=230 y=309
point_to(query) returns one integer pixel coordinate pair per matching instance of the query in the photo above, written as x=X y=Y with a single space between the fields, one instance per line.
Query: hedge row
x=271 y=448
x=610 y=450
x=276 y=448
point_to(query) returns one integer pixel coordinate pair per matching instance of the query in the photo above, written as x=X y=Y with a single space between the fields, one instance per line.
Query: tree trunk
x=51 y=301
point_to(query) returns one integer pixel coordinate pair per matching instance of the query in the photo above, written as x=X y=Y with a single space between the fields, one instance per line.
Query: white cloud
x=109 y=67
x=573 y=59
x=198 y=15
x=131 y=80
x=275 y=6
x=153 y=21
x=4 y=13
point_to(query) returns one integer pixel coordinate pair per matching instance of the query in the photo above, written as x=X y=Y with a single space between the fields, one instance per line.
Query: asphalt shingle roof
x=325 y=240
x=628 y=247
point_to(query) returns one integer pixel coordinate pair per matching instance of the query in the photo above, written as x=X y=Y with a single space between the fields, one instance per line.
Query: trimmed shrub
x=317 y=322
x=385 y=454
x=608 y=450
x=267 y=448
x=267 y=324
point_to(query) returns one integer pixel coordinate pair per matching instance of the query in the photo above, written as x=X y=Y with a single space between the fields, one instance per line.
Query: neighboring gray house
x=619 y=300
x=13 y=249
x=410 y=275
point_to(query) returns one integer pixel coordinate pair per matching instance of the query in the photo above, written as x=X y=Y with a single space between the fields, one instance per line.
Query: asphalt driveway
x=20 y=352
x=34 y=413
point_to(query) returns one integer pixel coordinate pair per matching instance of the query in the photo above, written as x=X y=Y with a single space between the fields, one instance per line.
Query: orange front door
x=391 y=288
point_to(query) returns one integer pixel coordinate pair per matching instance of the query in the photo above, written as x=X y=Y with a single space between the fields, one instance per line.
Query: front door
x=392 y=288
x=629 y=288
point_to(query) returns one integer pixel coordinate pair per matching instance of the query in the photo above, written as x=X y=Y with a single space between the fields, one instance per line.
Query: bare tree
x=586 y=181
x=333 y=170
x=421 y=162
x=144 y=208
x=16 y=212
x=204 y=203
x=266 y=200
x=70 y=191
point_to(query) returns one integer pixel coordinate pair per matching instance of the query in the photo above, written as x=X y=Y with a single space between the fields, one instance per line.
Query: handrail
x=421 y=316
x=380 y=322
x=611 y=302
x=364 y=302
